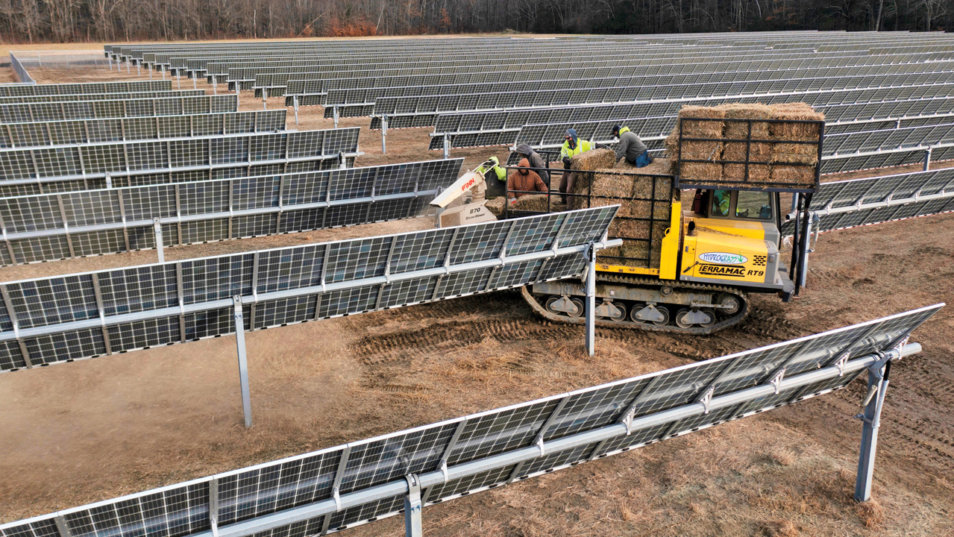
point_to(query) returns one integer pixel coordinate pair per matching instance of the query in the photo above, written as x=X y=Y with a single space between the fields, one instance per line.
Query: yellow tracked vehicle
x=689 y=268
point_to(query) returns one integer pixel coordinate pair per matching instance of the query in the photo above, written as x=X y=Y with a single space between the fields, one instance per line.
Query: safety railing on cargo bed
x=781 y=155
x=645 y=208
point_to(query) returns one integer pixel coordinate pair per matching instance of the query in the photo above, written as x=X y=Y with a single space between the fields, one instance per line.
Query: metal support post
x=446 y=147
x=927 y=159
x=384 y=135
x=163 y=71
x=264 y=99
x=157 y=227
x=242 y=360
x=334 y=115
x=195 y=81
x=215 y=85
x=413 y=525
x=342 y=162
x=295 y=106
x=591 y=301
x=178 y=80
x=109 y=60
x=150 y=73
x=871 y=418
x=139 y=69
x=128 y=65
x=806 y=243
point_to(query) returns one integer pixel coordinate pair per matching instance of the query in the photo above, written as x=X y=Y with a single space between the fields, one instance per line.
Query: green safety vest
x=500 y=172
x=582 y=146
x=624 y=129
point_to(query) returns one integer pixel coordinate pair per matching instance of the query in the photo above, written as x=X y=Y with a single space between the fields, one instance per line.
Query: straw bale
x=533 y=202
x=757 y=152
x=800 y=175
x=496 y=205
x=594 y=160
x=659 y=166
x=788 y=153
x=700 y=129
x=795 y=131
x=711 y=151
x=740 y=129
x=701 y=171
x=758 y=173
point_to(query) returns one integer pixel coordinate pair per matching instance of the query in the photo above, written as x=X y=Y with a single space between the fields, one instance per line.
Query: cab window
x=754 y=205
x=721 y=203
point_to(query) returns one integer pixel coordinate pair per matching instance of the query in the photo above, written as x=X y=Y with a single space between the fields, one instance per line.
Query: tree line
x=168 y=20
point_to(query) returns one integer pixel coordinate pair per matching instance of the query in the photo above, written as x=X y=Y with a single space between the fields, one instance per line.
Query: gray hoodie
x=629 y=146
x=536 y=161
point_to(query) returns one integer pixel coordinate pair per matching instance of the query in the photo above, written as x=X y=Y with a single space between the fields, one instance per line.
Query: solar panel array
x=85 y=131
x=57 y=226
x=335 y=488
x=51 y=320
x=75 y=167
x=859 y=202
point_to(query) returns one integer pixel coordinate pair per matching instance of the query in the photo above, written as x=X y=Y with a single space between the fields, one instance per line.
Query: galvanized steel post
x=242 y=360
x=871 y=418
x=591 y=300
x=157 y=227
x=384 y=134
x=413 y=524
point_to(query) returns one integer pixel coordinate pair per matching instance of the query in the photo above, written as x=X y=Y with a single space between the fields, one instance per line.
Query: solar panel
x=858 y=202
x=85 y=315
x=85 y=131
x=64 y=168
x=332 y=489
x=58 y=226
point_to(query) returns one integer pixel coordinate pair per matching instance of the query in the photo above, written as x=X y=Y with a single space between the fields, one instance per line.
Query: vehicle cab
x=733 y=238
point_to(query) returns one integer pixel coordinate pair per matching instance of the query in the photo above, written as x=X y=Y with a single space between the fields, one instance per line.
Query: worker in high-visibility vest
x=495 y=177
x=572 y=146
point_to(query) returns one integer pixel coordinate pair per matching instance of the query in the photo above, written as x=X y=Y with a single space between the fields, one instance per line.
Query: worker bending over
x=572 y=146
x=524 y=181
x=536 y=161
x=631 y=147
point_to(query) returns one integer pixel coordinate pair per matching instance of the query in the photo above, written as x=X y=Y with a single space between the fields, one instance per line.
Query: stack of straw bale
x=769 y=148
x=637 y=199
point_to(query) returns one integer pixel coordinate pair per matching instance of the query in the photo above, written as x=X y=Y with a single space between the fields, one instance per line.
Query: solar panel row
x=51 y=320
x=857 y=202
x=57 y=226
x=50 y=164
x=69 y=132
x=469 y=129
x=331 y=489
x=161 y=106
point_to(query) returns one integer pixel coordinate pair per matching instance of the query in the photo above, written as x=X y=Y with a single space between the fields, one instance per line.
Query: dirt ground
x=96 y=429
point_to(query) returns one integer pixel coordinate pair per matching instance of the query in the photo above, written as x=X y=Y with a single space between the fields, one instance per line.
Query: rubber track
x=650 y=282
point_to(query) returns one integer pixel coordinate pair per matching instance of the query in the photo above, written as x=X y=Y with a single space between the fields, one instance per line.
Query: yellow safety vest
x=582 y=146
x=624 y=129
